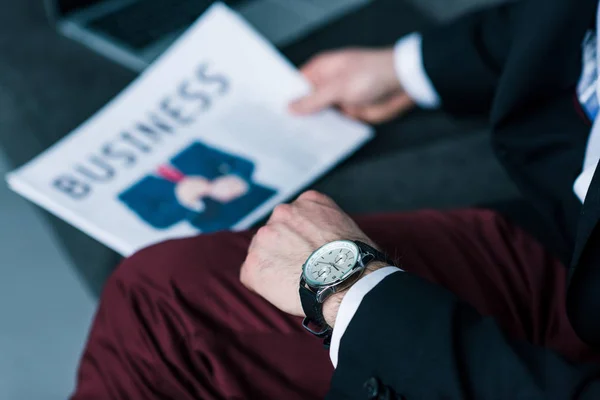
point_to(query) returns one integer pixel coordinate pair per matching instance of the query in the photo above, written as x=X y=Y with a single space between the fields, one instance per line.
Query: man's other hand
x=362 y=83
x=279 y=249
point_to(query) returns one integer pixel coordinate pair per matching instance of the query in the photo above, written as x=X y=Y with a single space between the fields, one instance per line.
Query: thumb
x=384 y=111
x=321 y=98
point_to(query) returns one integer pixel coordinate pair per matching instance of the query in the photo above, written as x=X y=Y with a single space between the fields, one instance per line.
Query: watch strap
x=370 y=254
x=313 y=310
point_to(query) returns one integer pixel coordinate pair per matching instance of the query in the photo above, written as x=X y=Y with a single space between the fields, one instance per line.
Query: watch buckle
x=324 y=332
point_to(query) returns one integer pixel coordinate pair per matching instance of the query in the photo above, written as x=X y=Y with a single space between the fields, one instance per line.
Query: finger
x=319 y=67
x=321 y=98
x=249 y=266
x=386 y=110
x=252 y=244
x=263 y=236
x=313 y=69
x=271 y=239
x=281 y=213
x=313 y=197
x=351 y=111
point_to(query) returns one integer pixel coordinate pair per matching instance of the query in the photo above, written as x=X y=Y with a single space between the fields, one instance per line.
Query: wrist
x=332 y=304
x=389 y=74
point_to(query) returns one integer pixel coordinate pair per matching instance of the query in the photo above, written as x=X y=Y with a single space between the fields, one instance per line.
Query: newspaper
x=202 y=141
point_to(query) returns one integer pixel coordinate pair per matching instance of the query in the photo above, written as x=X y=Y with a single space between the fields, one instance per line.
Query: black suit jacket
x=519 y=64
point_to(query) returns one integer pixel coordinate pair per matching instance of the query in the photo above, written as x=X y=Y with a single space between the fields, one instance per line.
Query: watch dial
x=331 y=263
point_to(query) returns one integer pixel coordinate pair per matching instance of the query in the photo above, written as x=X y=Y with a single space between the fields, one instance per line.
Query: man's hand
x=275 y=257
x=361 y=82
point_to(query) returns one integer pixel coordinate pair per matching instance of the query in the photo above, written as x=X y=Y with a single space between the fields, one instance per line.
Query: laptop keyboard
x=143 y=22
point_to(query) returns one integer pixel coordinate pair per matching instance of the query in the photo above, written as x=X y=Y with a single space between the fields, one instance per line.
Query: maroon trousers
x=174 y=322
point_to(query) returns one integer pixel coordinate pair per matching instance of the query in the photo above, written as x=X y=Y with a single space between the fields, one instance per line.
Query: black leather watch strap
x=375 y=255
x=314 y=312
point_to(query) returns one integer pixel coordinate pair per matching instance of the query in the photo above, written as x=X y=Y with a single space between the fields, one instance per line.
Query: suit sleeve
x=464 y=59
x=417 y=339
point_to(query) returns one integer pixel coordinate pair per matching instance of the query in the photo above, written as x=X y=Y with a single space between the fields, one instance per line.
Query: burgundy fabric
x=174 y=322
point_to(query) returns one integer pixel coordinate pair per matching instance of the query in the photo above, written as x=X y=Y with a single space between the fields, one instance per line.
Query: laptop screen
x=66 y=6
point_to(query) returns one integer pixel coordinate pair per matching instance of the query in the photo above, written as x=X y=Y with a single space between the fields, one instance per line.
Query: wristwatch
x=332 y=268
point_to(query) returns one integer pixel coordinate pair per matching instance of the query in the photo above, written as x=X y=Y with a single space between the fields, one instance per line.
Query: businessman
x=207 y=187
x=468 y=307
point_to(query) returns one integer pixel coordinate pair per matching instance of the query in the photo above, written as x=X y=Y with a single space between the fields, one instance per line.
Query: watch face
x=331 y=263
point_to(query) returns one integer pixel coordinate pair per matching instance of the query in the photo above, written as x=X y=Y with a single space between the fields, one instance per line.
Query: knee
x=179 y=259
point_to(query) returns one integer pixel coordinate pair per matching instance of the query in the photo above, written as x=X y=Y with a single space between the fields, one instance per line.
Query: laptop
x=135 y=32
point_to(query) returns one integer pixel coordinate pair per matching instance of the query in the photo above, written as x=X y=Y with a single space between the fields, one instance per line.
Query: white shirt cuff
x=350 y=305
x=583 y=182
x=408 y=59
x=590 y=162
